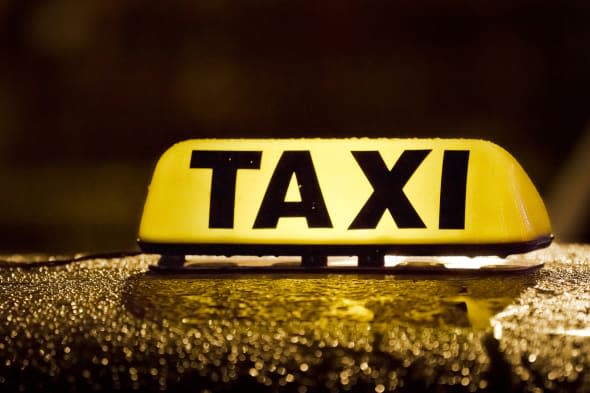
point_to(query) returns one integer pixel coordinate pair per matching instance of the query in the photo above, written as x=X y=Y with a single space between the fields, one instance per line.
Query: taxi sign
x=357 y=196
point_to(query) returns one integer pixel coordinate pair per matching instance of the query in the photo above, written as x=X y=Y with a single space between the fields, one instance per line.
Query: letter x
x=388 y=191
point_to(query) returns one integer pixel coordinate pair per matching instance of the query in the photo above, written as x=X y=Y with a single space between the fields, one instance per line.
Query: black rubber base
x=314 y=258
x=368 y=253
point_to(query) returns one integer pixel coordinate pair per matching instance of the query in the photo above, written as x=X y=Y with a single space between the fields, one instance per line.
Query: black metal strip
x=498 y=249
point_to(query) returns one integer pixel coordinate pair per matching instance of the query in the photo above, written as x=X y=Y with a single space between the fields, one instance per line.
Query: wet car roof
x=110 y=323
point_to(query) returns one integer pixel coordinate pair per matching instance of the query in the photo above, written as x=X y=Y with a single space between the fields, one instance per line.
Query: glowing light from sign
x=238 y=196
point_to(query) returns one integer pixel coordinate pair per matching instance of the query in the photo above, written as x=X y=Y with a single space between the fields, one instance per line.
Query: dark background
x=91 y=92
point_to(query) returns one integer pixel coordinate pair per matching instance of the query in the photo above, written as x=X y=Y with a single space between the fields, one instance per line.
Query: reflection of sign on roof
x=341 y=197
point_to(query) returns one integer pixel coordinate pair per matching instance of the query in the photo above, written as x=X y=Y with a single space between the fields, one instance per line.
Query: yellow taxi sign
x=341 y=197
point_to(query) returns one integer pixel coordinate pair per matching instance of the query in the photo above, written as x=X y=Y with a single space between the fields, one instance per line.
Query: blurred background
x=93 y=91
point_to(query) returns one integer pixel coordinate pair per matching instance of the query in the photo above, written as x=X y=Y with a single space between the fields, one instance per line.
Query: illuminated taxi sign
x=341 y=197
